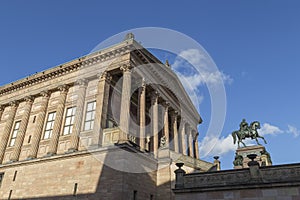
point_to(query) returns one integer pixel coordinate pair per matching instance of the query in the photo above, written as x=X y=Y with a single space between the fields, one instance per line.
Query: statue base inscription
x=241 y=159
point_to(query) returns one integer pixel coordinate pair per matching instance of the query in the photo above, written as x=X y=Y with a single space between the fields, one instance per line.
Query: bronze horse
x=248 y=132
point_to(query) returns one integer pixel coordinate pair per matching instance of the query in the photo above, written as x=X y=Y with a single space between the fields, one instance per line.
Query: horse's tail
x=234 y=137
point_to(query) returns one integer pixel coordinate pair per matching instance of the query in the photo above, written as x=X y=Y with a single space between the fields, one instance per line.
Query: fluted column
x=166 y=123
x=125 y=103
x=78 y=115
x=154 y=119
x=190 y=138
x=175 y=131
x=22 y=130
x=58 y=120
x=101 y=107
x=183 y=137
x=7 y=129
x=142 y=111
x=37 y=134
x=196 y=146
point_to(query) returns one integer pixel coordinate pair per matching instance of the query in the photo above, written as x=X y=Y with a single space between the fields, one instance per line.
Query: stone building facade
x=109 y=125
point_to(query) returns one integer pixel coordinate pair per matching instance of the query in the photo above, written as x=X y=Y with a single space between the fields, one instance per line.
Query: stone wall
x=56 y=177
x=272 y=182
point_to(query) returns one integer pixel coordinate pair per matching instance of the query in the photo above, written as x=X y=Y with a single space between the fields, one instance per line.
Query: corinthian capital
x=29 y=99
x=45 y=93
x=82 y=82
x=14 y=104
x=104 y=76
x=125 y=68
x=63 y=88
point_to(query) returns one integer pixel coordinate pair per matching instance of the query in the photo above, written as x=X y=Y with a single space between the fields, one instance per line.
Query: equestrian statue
x=247 y=132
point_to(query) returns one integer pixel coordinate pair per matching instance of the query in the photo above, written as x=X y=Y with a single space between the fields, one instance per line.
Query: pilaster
x=101 y=107
x=22 y=130
x=58 y=120
x=78 y=115
x=9 y=123
x=39 y=125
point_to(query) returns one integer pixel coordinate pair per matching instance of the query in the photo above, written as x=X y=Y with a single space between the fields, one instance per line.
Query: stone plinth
x=263 y=157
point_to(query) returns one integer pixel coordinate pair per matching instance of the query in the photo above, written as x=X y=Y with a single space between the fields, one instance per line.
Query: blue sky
x=254 y=43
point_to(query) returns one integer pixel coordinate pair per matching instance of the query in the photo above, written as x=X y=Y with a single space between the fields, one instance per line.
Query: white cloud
x=268 y=129
x=293 y=130
x=216 y=146
x=195 y=69
x=195 y=66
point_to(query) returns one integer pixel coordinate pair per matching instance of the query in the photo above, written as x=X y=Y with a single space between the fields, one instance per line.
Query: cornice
x=69 y=67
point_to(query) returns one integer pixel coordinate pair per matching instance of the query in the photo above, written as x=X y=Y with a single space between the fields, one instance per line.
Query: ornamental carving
x=81 y=82
x=45 y=93
x=63 y=88
x=14 y=104
x=125 y=68
x=29 y=99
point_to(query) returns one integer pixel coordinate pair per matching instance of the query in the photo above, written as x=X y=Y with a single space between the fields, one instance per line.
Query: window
x=49 y=125
x=134 y=195
x=14 y=134
x=15 y=175
x=69 y=121
x=1 y=178
x=90 y=116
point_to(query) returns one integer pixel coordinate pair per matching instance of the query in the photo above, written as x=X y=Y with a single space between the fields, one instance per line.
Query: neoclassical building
x=109 y=125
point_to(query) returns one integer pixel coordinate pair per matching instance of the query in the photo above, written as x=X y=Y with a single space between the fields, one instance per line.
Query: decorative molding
x=166 y=104
x=154 y=97
x=126 y=68
x=104 y=76
x=45 y=93
x=14 y=103
x=66 y=68
x=63 y=88
x=29 y=99
x=82 y=82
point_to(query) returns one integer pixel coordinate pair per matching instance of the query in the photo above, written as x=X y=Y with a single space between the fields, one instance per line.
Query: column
x=58 y=120
x=37 y=134
x=22 y=130
x=183 y=141
x=125 y=103
x=142 y=111
x=7 y=129
x=101 y=107
x=166 y=123
x=196 y=146
x=190 y=138
x=78 y=115
x=175 y=131
x=154 y=119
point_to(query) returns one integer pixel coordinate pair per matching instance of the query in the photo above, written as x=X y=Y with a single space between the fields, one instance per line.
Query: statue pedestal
x=263 y=157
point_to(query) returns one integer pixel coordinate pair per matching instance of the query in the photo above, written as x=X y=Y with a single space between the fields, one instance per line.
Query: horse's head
x=255 y=125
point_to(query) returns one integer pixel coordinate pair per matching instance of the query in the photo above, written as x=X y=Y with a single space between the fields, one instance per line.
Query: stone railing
x=252 y=177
